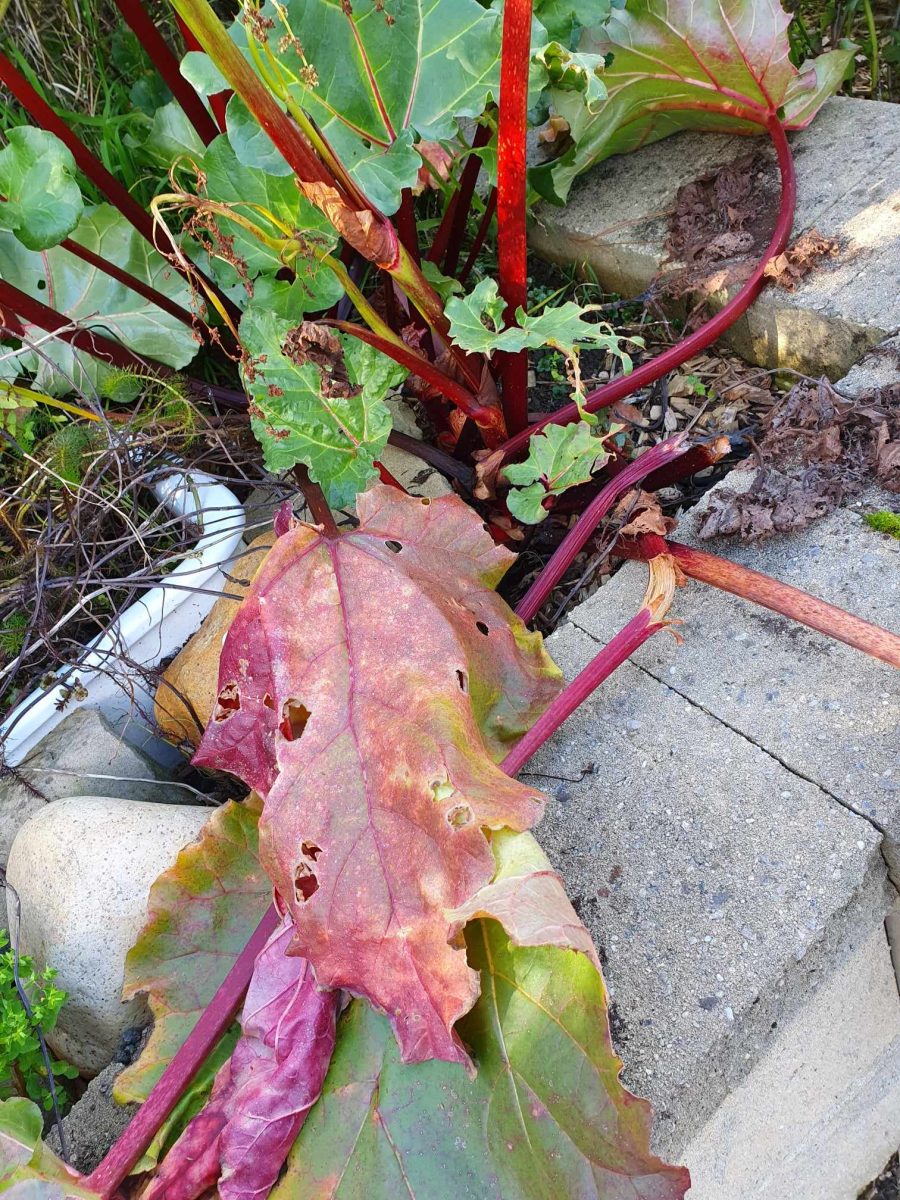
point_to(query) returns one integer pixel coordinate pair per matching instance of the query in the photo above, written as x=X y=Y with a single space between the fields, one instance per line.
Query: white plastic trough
x=148 y=631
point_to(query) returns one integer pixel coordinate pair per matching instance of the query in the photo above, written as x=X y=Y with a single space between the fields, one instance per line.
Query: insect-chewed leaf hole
x=425 y=501
x=294 y=716
x=459 y=816
x=463 y=680
x=305 y=883
x=228 y=702
x=310 y=850
x=268 y=702
x=441 y=790
x=393 y=546
x=482 y=628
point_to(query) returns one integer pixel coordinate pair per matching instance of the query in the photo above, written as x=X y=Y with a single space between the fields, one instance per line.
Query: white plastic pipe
x=148 y=631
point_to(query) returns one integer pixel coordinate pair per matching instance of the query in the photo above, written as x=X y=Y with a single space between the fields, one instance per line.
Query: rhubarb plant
x=423 y=1013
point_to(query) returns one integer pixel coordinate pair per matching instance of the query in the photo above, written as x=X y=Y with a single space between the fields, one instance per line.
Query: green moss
x=884 y=522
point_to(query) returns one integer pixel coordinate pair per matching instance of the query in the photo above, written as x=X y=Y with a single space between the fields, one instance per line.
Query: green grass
x=874 y=25
x=884 y=522
x=92 y=71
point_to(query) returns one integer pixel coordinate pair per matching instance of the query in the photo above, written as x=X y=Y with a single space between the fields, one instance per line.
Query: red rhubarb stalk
x=647 y=621
x=566 y=552
x=215 y=1019
x=512 y=246
x=448 y=239
x=789 y=601
x=167 y=65
x=484 y=225
x=650 y=371
x=102 y=348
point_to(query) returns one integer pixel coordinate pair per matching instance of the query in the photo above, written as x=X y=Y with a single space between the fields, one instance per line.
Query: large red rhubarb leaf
x=687 y=64
x=354 y=686
x=261 y=1096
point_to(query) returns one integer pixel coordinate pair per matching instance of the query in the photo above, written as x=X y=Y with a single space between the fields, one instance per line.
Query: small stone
x=82 y=868
x=82 y=745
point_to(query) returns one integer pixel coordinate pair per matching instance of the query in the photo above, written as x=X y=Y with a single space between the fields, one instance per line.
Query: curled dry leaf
x=787 y=269
x=375 y=239
x=262 y=1095
x=379 y=780
x=641 y=513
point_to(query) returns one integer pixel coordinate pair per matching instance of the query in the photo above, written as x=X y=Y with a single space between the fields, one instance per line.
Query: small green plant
x=884 y=522
x=23 y=1071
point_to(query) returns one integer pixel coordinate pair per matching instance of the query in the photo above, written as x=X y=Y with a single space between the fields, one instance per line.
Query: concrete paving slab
x=848 y=176
x=827 y=712
x=819 y=1115
x=718 y=885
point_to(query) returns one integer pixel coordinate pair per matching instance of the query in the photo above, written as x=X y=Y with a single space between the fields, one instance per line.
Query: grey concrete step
x=848 y=187
x=717 y=817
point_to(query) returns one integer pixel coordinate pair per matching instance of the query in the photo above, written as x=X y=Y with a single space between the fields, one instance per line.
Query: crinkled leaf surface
x=201 y=914
x=375 y=77
x=560 y=457
x=352 y=686
x=41 y=201
x=721 y=65
x=544 y=1118
x=298 y=417
x=263 y=1093
x=28 y=1170
x=87 y=295
x=253 y=193
x=476 y=324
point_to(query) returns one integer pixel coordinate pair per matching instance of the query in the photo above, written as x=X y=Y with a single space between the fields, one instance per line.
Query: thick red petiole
x=213 y=1022
x=512 y=246
x=771 y=593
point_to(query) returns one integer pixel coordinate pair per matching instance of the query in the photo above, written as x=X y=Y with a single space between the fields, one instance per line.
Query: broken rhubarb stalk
x=771 y=593
x=648 y=620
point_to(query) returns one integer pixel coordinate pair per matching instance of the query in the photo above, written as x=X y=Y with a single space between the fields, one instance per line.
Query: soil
x=887 y=1185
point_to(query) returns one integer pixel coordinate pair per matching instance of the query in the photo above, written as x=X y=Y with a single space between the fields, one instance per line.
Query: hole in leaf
x=227 y=702
x=441 y=790
x=425 y=500
x=396 y=547
x=305 y=883
x=294 y=716
x=42 y=285
x=459 y=816
x=462 y=680
x=482 y=628
x=268 y=701
x=310 y=850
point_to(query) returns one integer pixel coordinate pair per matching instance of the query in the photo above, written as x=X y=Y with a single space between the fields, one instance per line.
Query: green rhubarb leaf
x=202 y=74
x=476 y=325
x=570 y=70
x=41 y=201
x=330 y=416
x=85 y=294
x=250 y=142
x=28 y=1170
x=720 y=65
x=258 y=196
x=172 y=137
x=563 y=19
x=545 y=1117
x=560 y=457
x=201 y=913
x=375 y=77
